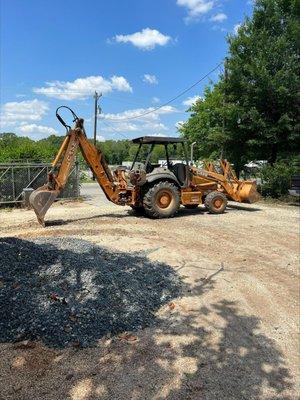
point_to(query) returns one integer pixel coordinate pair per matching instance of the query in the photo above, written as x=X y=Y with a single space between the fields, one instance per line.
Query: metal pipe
x=136 y=156
x=192 y=152
x=61 y=150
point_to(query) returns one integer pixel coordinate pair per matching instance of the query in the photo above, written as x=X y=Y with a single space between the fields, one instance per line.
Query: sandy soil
x=233 y=335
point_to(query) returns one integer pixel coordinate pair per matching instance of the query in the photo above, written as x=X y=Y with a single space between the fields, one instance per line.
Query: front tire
x=215 y=202
x=161 y=200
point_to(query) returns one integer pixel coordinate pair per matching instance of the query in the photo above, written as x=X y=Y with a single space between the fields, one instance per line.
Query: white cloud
x=100 y=138
x=146 y=39
x=120 y=83
x=191 y=100
x=152 y=116
x=220 y=17
x=179 y=124
x=121 y=127
x=219 y=28
x=81 y=88
x=151 y=79
x=236 y=28
x=196 y=8
x=34 y=128
x=27 y=110
x=155 y=125
x=155 y=100
x=149 y=124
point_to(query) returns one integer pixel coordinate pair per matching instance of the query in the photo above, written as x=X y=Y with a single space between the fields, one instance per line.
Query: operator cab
x=151 y=148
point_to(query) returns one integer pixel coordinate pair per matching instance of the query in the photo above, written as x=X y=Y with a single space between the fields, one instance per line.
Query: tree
x=215 y=126
x=264 y=77
x=252 y=113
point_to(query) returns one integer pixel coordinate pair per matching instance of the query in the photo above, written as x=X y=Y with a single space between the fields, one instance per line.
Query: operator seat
x=180 y=170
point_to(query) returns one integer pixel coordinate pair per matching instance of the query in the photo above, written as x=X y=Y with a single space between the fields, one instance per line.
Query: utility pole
x=224 y=102
x=192 y=152
x=96 y=97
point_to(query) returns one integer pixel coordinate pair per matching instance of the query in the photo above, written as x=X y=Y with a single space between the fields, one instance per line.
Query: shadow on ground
x=66 y=290
x=242 y=364
x=211 y=352
x=243 y=207
x=183 y=212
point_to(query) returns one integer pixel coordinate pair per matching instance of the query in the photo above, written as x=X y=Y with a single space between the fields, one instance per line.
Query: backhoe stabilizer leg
x=41 y=200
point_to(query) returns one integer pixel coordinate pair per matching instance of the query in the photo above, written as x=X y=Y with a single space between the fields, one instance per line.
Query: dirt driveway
x=232 y=333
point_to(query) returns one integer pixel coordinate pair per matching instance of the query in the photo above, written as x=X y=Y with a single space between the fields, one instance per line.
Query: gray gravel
x=67 y=291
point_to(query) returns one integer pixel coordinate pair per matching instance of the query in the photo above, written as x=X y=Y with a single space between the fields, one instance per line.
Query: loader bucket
x=40 y=200
x=248 y=192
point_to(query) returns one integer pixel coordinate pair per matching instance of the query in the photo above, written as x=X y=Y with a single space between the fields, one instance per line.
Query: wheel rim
x=164 y=199
x=218 y=203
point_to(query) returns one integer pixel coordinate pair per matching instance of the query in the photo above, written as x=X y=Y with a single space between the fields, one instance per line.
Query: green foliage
x=252 y=113
x=276 y=179
x=264 y=78
x=115 y=151
x=16 y=148
x=214 y=137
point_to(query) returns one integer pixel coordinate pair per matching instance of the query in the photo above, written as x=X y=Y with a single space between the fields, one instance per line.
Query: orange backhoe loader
x=153 y=189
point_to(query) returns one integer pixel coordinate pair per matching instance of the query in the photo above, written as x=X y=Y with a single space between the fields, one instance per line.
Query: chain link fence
x=15 y=177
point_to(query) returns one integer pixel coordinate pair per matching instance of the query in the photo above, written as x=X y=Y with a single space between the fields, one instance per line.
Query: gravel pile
x=67 y=291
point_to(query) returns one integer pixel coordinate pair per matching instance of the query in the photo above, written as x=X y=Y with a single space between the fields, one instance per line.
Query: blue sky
x=138 y=53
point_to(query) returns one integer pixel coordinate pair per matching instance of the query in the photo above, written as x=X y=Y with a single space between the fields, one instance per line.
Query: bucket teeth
x=40 y=200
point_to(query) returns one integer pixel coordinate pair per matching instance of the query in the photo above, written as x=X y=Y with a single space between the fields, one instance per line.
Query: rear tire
x=161 y=200
x=215 y=202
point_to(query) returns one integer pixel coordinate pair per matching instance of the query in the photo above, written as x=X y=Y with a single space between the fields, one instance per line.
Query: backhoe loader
x=156 y=190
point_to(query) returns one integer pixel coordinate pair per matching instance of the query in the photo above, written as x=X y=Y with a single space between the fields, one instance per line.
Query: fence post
x=77 y=174
x=13 y=181
x=26 y=193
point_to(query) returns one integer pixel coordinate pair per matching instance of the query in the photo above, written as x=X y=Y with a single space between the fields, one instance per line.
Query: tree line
x=18 y=148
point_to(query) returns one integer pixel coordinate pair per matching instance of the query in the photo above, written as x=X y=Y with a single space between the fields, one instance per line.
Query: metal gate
x=14 y=177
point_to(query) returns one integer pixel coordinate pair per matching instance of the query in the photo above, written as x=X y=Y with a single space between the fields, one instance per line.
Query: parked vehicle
x=295 y=186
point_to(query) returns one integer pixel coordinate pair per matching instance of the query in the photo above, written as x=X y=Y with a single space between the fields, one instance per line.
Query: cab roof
x=157 y=140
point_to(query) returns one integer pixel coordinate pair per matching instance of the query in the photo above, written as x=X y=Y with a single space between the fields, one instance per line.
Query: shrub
x=276 y=179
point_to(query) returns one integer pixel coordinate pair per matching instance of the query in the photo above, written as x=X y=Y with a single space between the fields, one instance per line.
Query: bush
x=276 y=179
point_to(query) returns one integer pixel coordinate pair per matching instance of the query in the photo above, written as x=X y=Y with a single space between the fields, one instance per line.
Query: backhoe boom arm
x=114 y=187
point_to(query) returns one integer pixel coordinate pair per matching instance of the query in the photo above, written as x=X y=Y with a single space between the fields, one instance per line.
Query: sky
x=138 y=53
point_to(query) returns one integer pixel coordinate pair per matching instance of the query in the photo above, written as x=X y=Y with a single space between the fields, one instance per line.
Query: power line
x=169 y=101
x=111 y=127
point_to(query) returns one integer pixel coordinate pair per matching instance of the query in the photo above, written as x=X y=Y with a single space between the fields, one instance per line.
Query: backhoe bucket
x=40 y=200
x=247 y=192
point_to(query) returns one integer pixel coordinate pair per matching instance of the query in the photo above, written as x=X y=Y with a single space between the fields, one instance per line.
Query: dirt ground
x=234 y=334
